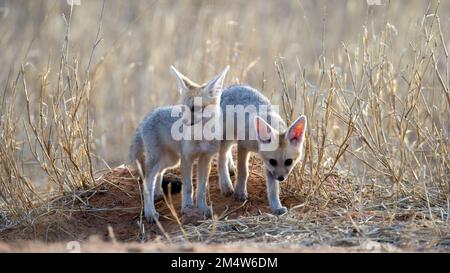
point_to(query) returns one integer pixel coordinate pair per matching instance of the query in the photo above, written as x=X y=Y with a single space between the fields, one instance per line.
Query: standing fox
x=278 y=161
x=155 y=148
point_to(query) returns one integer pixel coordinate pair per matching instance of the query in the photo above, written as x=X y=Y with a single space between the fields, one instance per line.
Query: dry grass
x=374 y=86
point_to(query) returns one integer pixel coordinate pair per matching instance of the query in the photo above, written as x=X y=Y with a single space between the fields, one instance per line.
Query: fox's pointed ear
x=264 y=133
x=215 y=86
x=296 y=132
x=183 y=82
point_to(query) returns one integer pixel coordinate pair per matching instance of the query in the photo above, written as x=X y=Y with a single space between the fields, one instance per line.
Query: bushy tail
x=137 y=150
x=137 y=154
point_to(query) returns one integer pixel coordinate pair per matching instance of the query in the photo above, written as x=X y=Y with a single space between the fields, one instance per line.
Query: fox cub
x=156 y=150
x=278 y=161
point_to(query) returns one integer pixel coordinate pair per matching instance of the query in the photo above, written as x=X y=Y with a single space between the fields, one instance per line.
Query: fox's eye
x=288 y=162
x=273 y=162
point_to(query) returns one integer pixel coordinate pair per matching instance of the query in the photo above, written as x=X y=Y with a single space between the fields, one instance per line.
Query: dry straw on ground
x=374 y=86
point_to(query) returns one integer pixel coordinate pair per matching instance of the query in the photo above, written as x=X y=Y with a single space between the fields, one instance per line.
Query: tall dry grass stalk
x=58 y=128
x=17 y=193
x=374 y=86
x=378 y=123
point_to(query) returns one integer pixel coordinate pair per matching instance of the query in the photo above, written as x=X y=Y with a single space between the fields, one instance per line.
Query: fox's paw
x=186 y=208
x=240 y=196
x=207 y=212
x=226 y=188
x=151 y=217
x=227 y=192
x=280 y=211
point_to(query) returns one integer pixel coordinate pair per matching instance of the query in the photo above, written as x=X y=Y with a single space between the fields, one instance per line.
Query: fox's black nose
x=281 y=178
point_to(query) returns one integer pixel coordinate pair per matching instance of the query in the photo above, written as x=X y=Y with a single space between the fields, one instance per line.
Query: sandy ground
x=109 y=219
x=94 y=245
x=115 y=209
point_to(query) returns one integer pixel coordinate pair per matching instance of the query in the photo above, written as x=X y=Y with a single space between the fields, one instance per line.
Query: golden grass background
x=372 y=80
x=141 y=39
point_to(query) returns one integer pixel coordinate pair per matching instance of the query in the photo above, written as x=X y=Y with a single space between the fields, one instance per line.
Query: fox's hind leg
x=226 y=187
x=166 y=160
x=242 y=175
x=152 y=172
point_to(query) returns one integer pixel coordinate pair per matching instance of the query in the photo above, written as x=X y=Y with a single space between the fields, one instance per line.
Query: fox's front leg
x=186 y=176
x=203 y=170
x=273 y=193
x=241 y=193
x=226 y=187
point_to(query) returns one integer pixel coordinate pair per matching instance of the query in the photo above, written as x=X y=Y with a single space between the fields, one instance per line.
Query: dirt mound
x=114 y=210
x=110 y=218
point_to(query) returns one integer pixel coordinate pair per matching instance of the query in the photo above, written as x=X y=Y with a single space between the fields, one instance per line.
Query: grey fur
x=156 y=150
x=245 y=95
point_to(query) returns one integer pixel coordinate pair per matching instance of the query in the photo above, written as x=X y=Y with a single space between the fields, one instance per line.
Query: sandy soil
x=114 y=209
x=95 y=244
x=109 y=219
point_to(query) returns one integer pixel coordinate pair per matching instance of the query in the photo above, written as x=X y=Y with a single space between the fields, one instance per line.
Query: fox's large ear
x=215 y=86
x=264 y=133
x=296 y=132
x=183 y=82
